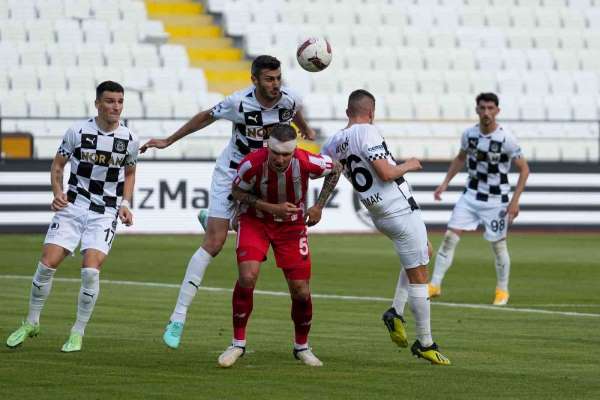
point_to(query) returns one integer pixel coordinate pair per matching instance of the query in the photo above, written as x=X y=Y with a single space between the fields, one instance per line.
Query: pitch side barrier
x=559 y=195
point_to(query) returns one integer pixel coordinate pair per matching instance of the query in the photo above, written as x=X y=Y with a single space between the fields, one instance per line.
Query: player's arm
x=281 y=210
x=56 y=179
x=455 y=166
x=197 y=122
x=313 y=214
x=305 y=131
x=388 y=172
x=513 y=207
x=125 y=213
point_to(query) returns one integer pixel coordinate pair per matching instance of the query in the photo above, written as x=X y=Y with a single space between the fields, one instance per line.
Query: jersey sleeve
x=246 y=175
x=295 y=97
x=327 y=148
x=68 y=144
x=512 y=148
x=132 y=153
x=373 y=146
x=226 y=109
x=464 y=141
x=319 y=165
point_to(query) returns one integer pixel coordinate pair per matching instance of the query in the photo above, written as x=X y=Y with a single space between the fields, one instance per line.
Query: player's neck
x=486 y=130
x=106 y=126
x=265 y=102
x=358 y=120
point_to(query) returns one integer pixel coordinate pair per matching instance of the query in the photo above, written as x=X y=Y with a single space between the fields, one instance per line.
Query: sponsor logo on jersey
x=102 y=159
x=371 y=200
x=54 y=226
x=375 y=148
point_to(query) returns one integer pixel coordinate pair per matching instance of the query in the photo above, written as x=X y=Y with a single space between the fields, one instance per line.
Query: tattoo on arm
x=329 y=184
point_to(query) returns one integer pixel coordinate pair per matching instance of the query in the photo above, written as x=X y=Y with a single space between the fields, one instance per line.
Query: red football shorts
x=289 y=241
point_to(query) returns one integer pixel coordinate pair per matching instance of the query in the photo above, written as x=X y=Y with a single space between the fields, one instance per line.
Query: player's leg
x=302 y=311
x=217 y=224
x=242 y=303
x=463 y=218
x=496 y=225
x=251 y=249
x=96 y=242
x=61 y=239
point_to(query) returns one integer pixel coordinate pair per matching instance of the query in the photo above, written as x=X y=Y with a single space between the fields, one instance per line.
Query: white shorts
x=468 y=213
x=409 y=235
x=73 y=224
x=220 y=203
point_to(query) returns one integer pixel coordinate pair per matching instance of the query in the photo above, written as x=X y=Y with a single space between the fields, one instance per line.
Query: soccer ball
x=314 y=54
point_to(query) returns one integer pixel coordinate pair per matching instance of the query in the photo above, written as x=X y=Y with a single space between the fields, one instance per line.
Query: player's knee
x=247 y=279
x=300 y=294
x=213 y=244
x=417 y=275
x=500 y=247
x=450 y=241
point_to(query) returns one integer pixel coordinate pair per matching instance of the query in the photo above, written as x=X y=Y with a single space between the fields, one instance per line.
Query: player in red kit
x=271 y=187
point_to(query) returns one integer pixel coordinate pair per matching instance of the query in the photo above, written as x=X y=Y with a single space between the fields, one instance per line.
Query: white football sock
x=502 y=264
x=40 y=289
x=88 y=294
x=401 y=294
x=191 y=282
x=418 y=299
x=443 y=259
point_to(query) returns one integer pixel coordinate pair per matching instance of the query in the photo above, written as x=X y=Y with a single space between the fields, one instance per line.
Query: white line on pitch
x=326 y=296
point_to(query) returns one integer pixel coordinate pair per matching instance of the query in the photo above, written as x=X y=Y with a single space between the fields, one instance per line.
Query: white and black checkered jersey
x=251 y=121
x=356 y=148
x=488 y=163
x=97 y=162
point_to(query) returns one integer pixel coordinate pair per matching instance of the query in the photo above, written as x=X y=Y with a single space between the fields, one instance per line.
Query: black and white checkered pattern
x=488 y=163
x=252 y=122
x=97 y=161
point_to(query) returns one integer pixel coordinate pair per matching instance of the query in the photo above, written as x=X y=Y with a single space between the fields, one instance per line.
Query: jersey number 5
x=356 y=171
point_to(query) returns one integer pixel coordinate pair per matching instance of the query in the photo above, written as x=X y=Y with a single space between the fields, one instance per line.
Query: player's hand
x=156 y=143
x=513 y=211
x=308 y=134
x=126 y=216
x=284 y=210
x=437 y=195
x=412 y=164
x=60 y=201
x=313 y=215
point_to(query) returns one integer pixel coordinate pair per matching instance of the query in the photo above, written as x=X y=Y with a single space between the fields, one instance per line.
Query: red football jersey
x=254 y=175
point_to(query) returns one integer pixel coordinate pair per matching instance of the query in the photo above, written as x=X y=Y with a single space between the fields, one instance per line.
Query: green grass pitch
x=495 y=353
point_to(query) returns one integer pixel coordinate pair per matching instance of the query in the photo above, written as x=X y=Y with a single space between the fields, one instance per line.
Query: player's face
x=268 y=83
x=487 y=111
x=110 y=106
x=279 y=161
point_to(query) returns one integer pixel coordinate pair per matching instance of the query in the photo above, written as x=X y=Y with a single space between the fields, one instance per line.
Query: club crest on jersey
x=120 y=145
x=285 y=114
x=495 y=147
x=341 y=148
x=253 y=118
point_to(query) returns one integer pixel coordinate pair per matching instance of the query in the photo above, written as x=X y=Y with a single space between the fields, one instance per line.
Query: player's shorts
x=221 y=204
x=289 y=241
x=74 y=224
x=468 y=213
x=409 y=235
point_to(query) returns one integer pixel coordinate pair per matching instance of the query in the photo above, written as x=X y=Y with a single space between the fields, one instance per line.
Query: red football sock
x=242 y=302
x=302 y=317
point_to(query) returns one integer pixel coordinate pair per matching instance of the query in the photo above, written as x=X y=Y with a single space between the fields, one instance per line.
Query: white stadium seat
x=42 y=105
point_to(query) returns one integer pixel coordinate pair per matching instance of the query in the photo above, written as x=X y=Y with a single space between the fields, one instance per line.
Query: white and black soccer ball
x=314 y=54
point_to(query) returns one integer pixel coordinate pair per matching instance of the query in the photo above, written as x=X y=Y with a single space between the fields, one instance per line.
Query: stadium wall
x=168 y=194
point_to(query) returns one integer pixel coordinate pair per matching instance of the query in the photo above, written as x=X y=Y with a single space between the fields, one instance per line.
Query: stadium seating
x=424 y=60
